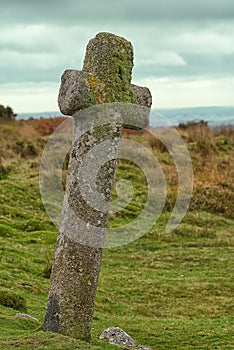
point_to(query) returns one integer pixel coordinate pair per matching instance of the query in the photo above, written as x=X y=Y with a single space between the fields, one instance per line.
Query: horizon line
x=154 y=108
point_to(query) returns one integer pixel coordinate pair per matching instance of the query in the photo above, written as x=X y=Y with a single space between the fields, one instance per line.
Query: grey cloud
x=72 y=12
x=197 y=67
x=61 y=29
x=24 y=74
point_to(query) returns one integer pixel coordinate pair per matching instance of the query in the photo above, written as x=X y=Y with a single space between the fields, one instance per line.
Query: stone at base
x=116 y=336
x=27 y=316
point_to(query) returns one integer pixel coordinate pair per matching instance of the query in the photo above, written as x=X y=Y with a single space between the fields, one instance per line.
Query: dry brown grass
x=212 y=156
x=25 y=139
x=211 y=151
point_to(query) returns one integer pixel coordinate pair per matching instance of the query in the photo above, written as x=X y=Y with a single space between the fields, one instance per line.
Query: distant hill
x=39 y=115
x=215 y=116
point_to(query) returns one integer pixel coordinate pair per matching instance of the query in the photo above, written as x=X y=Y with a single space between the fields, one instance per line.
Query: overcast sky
x=184 y=49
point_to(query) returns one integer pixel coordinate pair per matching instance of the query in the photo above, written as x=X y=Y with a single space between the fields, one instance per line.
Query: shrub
x=193 y=124
x=46 y=127
x=25 y=149
x=6 y=113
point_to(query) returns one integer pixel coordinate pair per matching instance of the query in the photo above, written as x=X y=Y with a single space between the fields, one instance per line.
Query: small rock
x=116 y=336
x=27 y=316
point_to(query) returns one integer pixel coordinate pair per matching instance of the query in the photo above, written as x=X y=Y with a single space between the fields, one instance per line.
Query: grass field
x=168 y=291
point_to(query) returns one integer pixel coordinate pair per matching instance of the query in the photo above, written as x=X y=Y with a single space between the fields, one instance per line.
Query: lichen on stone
x=109 y=62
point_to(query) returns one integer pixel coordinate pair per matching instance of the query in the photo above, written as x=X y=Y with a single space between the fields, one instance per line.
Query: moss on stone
x=109 y=62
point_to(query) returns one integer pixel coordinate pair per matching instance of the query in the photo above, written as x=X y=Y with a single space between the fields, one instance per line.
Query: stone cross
x=91 y=96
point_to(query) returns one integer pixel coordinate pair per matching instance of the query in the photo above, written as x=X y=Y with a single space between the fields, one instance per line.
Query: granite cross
x=93 y=97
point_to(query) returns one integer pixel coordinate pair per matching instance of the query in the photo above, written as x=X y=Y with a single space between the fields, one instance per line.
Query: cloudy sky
x=184 y=49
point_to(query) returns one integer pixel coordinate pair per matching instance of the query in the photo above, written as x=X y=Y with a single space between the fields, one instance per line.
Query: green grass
x=168 y=291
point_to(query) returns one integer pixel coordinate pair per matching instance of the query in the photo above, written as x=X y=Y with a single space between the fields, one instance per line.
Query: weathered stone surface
x=78 y=252
x=106 y=77
x=109 y=61
x=143 y=95
x=72 y=293
x=74 y=93
x=116 y=336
